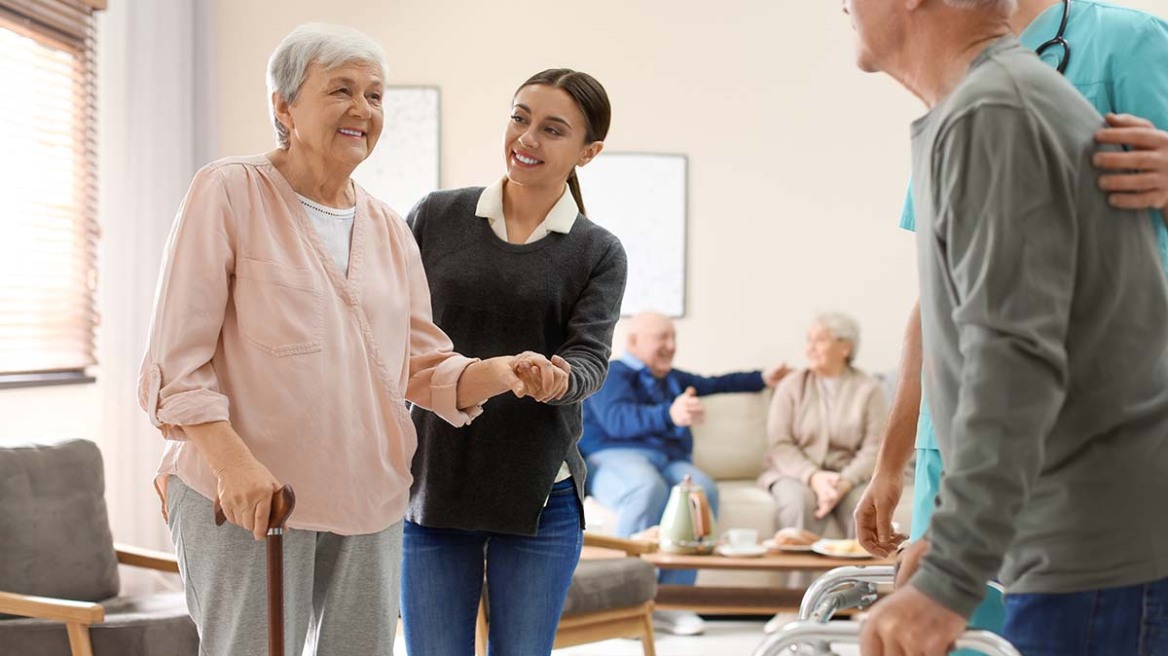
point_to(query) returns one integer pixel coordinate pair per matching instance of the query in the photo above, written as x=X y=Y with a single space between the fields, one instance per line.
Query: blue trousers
x=527 y=582
x=1128 y=621
x=635 y=483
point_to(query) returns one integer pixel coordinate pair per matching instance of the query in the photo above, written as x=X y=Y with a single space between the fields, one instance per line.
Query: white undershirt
x=829 y=388
x=335 y=227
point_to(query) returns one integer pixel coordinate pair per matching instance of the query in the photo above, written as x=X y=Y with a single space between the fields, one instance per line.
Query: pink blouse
x=254 y=324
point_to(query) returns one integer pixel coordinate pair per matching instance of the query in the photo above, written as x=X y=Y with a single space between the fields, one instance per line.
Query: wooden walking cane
x=283 y=502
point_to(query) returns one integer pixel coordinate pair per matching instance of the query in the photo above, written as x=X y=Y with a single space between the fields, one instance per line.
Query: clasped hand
x=541 y=379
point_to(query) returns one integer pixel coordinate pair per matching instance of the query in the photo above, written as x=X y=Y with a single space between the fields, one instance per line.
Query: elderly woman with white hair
x=292 y=324
x=824 y=429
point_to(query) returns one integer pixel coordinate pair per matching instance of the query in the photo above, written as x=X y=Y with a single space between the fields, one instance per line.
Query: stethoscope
x=1059 y=40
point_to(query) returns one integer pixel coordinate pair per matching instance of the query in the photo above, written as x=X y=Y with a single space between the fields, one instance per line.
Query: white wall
x=49 y=413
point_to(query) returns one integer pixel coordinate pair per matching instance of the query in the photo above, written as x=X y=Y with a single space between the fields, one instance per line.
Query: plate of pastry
x=791 y=540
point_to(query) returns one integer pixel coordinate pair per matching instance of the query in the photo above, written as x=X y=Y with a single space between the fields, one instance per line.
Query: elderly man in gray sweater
x=1045 y=325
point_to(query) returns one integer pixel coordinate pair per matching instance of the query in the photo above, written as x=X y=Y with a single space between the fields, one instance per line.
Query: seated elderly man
x=1044 y=317
x=637 y=440
x=824 y=428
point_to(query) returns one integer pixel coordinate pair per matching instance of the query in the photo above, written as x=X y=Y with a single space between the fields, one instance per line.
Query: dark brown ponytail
x=592 y=100
x=574 y=187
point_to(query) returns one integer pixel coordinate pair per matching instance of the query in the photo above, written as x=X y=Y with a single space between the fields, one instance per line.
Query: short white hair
x=842 y=327
x=1004 y=6
x=315 y=43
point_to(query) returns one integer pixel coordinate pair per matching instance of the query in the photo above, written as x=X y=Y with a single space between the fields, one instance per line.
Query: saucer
x=750 y=551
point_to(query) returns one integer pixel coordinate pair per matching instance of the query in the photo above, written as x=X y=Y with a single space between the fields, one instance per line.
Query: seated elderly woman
x=292 y=324
x=824 y=428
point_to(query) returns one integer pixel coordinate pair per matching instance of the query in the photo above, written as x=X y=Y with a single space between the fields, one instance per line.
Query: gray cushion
x=610 y=584
x=148 y=626
x=54 y=531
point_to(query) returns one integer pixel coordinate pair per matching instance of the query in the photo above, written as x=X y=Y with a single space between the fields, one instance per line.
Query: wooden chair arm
x=630 y=547
x=148 y=558
x=47 y=608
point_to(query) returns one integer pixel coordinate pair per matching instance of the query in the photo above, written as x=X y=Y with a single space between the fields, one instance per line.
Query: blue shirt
x=631 y=410
x=1119 y=62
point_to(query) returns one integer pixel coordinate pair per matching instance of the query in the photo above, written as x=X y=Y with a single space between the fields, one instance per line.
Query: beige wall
x=798 y=162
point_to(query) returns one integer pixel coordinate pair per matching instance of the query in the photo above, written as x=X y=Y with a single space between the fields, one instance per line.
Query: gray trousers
x=797 y=503
x=340 y=592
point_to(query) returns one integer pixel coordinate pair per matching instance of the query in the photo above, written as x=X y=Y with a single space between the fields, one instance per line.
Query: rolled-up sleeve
x=434 y=366
x=177 y=385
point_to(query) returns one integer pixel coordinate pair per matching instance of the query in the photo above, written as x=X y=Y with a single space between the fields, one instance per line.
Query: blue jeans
x=1129 y=621
x=635 y=483
x=527 y=581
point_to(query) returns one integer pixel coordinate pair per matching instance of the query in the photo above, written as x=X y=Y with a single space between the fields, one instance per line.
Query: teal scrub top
x=1119 y=62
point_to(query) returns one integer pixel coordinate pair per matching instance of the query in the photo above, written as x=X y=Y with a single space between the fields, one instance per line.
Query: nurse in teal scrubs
x=1118 y=59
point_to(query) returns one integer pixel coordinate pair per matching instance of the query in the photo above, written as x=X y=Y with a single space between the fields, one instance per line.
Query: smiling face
x=546 y=138
x=652 y=339
x=337 y=116
x=826 y=354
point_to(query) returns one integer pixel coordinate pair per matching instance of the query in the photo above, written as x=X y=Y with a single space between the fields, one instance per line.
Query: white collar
x=560 y=219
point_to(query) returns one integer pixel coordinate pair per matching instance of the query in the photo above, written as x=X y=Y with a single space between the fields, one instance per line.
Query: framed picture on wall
x=405 y=164
x=642 y=198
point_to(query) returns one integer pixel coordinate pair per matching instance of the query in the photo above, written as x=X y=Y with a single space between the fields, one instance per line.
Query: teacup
x=739 y=538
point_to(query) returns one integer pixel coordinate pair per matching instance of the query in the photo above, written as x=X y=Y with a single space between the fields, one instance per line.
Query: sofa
x=729 y=446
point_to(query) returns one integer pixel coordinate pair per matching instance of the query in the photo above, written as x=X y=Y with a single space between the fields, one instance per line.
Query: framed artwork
x=405 y=165
x=642 y=199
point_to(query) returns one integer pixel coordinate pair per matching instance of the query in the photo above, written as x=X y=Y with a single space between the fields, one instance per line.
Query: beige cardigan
x=806 y=436
x=254 y=323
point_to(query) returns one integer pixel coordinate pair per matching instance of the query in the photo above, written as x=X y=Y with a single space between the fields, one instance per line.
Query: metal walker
x=846 y=588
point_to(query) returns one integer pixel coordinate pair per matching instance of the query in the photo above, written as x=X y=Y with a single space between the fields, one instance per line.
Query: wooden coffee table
x=743 y=600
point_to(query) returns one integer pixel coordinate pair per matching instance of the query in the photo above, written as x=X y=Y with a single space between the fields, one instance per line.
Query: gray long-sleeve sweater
x=1045 y=316
x=560 y=295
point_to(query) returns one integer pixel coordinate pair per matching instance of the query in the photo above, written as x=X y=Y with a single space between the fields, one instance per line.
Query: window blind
x=48 y=203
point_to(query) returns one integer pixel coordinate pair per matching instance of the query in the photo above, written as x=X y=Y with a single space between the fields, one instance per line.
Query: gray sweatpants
x=797 y=504
x=340 y=592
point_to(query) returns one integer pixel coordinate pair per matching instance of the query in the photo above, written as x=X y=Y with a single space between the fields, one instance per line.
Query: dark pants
x=1129 y=621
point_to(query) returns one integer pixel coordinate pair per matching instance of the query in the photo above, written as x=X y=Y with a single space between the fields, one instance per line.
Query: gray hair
x=1004 y=6
x=315 y=43
x=843 y=327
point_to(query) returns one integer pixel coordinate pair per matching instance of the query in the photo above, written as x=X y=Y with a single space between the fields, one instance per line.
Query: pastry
x=795 y=537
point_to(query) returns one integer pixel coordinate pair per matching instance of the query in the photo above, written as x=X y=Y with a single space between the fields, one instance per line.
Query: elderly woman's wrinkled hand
x=825 y=485
x=245 y=489
x=545 y=380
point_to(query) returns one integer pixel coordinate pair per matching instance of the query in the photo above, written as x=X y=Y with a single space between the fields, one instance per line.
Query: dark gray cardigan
x=560 y=295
